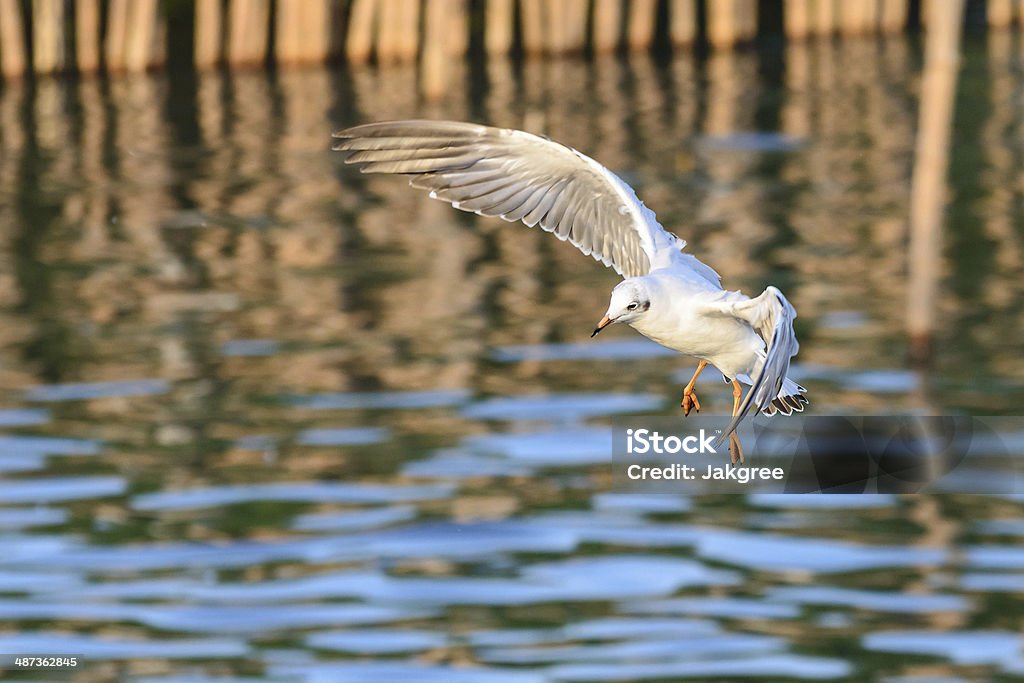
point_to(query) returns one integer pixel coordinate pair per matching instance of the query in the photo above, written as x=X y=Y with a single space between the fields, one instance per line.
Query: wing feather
x=771 y=316
x=519 y=176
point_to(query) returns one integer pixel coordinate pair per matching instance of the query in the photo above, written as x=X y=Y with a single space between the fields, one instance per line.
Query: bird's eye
x=632 y=306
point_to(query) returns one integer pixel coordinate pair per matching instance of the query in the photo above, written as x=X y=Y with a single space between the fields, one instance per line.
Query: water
x=264 y=418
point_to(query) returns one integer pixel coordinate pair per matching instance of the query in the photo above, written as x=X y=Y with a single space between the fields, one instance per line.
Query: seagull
x=666 y=294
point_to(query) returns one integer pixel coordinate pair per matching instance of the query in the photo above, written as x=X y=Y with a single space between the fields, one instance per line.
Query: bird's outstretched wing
x=519 y=176
x=771 y=316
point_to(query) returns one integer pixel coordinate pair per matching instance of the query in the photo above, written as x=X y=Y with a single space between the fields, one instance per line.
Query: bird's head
x=631 y=300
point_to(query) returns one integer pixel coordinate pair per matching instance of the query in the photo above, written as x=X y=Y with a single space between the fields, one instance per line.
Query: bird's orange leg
x=735 y=449
x=689 y=396
x=737 y=392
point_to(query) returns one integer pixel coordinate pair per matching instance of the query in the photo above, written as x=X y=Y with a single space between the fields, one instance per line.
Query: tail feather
x=791 y=399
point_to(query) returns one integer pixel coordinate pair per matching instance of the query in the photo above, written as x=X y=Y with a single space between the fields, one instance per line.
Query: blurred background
x=264 y=418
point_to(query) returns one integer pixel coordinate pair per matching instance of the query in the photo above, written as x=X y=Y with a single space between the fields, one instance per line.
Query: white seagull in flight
x=666 y=294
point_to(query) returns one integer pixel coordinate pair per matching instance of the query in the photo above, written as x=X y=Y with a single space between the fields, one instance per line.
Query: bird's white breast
x=678 y=319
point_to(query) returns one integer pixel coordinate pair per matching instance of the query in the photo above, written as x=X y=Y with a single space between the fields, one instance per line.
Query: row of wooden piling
x=80 y=34
x=805 y=18
x=49 y=36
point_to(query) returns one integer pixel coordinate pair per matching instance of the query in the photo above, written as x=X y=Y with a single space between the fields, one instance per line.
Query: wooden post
x=457 y=31
x=117 y=31
x=554 y=26
x=434 y=62
x=445 y=36
x=575 y=17
x=87 y=35
x=607 y=25
x=682 y=17
x=746 y=17
x=870 y=16
x=999 y=13
x=532 y=13
x=642 y=19
x=248 y=27
x=796 y=18
x=722 y=24
x=158 y=50
x=47 y=36
x=824 y=17
x=407 y=40
x=925 y=10
x=288 y=37
x=359 y=41
x=12 y=45
x=853 y=17
x=387 y=31
x=139 y=38
x=927 y=200
x=893 y=15
x=209 y=33
x=302 y=31
x=499 y=26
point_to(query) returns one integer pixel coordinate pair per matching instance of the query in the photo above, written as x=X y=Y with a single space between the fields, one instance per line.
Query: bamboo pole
x=607 y=25
x=893 y=15
x=999 y=13
x=640 y=26
x=925 y=10
x=457 y=37
x=927 y=201
x=12 y=45
x=824 y=17
x=499 y=26
x=554 y=26
x=288 y=37
x=158 y=50
x=797 y=18
x=853 y=17
x=248 y=26
x=722 y=24
x=682 y=17
x=746 y=19
x=434 y=65
x=209 y=33
x=139 y=39
x=359 y=41
x=87 y=35
x=532 y=12
x=302 y=31
x=575 y=17
x=387 y=31
x=407 y=41
x=117 y=30
x=47 y=36
x=870 y=16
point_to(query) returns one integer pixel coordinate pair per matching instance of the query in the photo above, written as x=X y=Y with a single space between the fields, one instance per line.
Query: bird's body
x=667 y=294
x=723 y=341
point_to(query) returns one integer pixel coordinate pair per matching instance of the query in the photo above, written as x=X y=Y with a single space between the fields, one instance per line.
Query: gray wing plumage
x=519 y=176
x=771 y=315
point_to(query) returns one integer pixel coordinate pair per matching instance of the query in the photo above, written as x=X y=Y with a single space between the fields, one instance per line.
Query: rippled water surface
x=263 y=418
